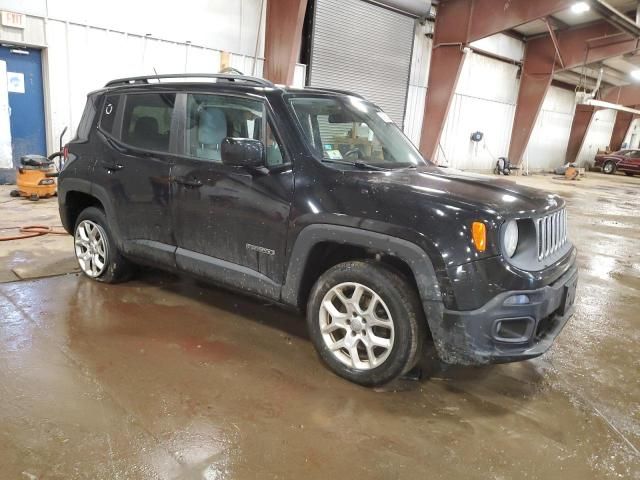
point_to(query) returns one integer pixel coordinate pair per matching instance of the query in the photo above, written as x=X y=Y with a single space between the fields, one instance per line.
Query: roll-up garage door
x=364 y=48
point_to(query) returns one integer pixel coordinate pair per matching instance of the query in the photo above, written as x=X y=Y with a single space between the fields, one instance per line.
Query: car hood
x=472 y=191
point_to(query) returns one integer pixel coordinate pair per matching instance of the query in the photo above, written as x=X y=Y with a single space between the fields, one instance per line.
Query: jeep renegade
x=315 y=200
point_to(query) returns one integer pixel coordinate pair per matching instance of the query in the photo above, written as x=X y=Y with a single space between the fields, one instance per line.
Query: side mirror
x=242 y=152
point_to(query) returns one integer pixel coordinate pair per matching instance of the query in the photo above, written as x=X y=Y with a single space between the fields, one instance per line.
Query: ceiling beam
x=457 y=24
x=482 y=18
x=627 y=95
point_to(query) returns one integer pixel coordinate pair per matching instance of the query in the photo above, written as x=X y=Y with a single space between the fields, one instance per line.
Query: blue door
x=26 y=100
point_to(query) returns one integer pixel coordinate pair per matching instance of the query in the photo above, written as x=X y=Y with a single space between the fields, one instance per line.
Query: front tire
x=609 y=167
x=366 y=322
x=96 y=252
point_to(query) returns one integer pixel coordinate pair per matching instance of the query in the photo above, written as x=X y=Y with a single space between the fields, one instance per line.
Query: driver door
x=230 y=223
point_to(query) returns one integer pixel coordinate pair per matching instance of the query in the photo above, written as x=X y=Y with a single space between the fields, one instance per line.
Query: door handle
x=193 y=183
x=112 y=166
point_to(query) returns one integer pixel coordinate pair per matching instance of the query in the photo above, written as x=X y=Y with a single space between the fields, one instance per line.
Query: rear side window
x=146 y=120
x=108 y=115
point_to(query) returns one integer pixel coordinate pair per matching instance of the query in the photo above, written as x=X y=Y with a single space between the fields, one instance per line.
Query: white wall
x=484 y=101
x=598 y=136
x=550 y=137
x=418 y=77
x=229 y=25
x=632 y=138
x=87 y=43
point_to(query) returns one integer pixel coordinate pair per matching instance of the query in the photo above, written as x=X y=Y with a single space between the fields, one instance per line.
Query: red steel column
x=449 y=38
x=582 y=119
x=446 y=64
x=620 y=129
x=537 y=73
x=283 y=37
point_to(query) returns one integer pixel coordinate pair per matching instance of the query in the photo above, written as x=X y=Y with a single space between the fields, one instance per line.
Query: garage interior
x=166 y=376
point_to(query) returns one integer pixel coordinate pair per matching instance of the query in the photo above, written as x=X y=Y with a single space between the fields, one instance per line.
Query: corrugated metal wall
x=364 y=48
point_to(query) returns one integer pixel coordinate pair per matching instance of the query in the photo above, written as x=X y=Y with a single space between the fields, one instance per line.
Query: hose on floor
x=30 y=231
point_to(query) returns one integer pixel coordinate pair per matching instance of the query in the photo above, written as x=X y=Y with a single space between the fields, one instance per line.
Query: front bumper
x=505 y=329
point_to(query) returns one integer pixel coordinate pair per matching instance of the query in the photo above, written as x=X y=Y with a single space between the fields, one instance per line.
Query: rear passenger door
x=132 y=171
x=230 y=223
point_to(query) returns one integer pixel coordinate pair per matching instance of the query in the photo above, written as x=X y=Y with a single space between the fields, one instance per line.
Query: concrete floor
x=164 y=377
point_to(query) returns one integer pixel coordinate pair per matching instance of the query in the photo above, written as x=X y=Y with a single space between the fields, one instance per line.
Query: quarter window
x=109 y=110
x=147 y=120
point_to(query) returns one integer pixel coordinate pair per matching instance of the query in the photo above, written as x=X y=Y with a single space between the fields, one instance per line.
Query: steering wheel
x=352 y=151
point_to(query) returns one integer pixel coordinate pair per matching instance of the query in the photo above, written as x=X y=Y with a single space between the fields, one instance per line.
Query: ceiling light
x=580 y=7
x=635 y=74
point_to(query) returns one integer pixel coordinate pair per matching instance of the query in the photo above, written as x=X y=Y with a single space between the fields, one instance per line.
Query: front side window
x=212 y=118
x=146 y=122
x=349 y=129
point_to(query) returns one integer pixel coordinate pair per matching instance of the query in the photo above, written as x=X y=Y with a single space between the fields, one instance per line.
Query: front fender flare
x=414 y=256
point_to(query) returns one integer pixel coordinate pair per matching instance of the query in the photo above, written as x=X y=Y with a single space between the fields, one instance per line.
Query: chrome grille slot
x=551 y=233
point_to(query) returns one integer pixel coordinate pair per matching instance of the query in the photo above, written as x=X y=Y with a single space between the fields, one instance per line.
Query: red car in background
x=627 y=161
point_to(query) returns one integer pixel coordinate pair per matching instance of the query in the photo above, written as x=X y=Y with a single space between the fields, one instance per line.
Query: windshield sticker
x=385 y=118
x=334 y=154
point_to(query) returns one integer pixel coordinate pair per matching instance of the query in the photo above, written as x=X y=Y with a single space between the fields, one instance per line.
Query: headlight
x=510 y=240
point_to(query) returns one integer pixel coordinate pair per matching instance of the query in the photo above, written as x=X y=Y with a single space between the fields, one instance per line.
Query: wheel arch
x=303 y=268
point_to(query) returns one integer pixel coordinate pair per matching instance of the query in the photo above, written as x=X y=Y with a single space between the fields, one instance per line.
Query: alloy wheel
x=356 y=326
x=91 y=248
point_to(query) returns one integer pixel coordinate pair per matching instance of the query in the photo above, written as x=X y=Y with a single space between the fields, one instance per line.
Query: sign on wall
x=15 y=82
x=12 y=19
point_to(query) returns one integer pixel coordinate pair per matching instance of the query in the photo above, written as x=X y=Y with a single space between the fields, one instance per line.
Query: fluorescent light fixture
x=635 y=74
x=580 y=7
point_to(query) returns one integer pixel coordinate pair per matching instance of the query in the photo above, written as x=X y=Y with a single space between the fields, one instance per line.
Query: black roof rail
x=231 y=78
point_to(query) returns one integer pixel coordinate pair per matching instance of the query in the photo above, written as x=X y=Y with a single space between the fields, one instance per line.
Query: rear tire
x=609 y=167
x=96 y=251
x=366 y=322
x=630 y=174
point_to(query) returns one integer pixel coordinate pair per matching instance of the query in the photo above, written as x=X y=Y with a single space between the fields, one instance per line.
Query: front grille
x=552 y=233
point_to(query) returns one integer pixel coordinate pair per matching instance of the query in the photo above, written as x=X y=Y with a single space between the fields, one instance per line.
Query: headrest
x=146 y=126
x=212 y=126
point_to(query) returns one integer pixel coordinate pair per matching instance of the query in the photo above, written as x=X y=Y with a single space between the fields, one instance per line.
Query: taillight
x=65 y=152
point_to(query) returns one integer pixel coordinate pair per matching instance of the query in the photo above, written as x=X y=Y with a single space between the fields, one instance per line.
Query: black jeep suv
x=314 y=199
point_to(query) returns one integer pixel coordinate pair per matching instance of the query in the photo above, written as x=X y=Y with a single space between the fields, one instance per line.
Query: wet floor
x=164 y=377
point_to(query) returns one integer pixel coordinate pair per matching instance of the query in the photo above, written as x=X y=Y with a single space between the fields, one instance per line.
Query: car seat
x=146 y=134
x=212 y=130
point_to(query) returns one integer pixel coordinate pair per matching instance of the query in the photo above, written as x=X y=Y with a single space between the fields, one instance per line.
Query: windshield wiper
x=357 y=164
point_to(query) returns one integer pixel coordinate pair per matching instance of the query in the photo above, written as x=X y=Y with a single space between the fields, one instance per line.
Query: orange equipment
x=36 y=178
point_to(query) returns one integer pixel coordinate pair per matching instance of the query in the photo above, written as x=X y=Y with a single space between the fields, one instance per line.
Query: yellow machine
x=36 y=175
x=35 y=178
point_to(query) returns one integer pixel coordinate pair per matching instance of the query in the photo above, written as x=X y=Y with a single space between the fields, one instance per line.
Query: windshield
x=351 y=130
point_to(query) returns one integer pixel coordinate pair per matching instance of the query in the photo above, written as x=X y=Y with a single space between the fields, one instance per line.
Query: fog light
x=513 y=329
x=517 y=300
x=46 y=181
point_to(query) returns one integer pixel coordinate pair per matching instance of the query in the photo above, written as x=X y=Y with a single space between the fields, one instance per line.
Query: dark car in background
x=627 y=161
x=314 y=199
